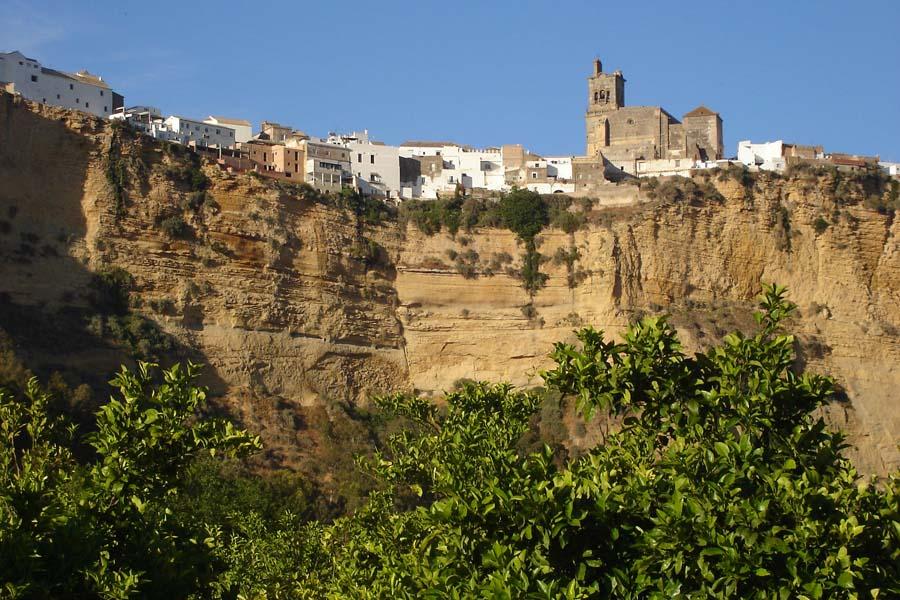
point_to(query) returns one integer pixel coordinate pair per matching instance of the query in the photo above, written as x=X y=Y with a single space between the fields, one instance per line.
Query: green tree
x=721 y=483
x=524 y=213
x=106 y=528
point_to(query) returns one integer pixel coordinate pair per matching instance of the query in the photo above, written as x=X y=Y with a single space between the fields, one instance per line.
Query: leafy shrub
x=467 y=264
x=524 y=213
x=723 y=482
x=174 y=227
x=568 y=221
x=370 y=209
x=195 y=200
x=367 y=251
x=105 y=527
x=110 y=289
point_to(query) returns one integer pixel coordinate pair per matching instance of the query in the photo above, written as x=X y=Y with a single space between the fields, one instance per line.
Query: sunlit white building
x=80 y=91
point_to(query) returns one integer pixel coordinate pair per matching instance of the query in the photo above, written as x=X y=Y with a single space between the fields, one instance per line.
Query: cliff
x=303 y=308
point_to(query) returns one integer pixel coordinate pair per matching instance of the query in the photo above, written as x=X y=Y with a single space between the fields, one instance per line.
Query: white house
x=80 y=91
x=243 y=130
x=457 y=165
x=375 y=166
x=203 y=134
x=891 y=168
x=768 y=156
x=560 y=167
x=146 y=119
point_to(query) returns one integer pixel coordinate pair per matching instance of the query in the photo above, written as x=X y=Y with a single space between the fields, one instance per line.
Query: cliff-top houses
x=621 y=142
x=80 y=91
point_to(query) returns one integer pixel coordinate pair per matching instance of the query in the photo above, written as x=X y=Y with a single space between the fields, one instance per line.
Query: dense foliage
x=105 y=527
x=722 y=481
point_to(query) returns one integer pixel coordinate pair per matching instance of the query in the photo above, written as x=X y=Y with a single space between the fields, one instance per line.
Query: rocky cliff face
x=298 y=305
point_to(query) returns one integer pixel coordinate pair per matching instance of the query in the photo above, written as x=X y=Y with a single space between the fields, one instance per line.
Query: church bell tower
x=606 y=93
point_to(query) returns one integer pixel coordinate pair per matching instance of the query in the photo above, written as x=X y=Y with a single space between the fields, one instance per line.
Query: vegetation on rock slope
x=722 y=482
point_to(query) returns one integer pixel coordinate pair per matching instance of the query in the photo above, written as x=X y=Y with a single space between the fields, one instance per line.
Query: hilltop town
x=621 y=142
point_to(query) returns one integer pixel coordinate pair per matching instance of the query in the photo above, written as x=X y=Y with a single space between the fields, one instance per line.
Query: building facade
x=187 y=131
x=375 y=166
x=626 y=134
x=243 y=130
x=79 y=91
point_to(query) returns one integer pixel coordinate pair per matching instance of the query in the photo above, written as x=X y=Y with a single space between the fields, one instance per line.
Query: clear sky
x=489 y=72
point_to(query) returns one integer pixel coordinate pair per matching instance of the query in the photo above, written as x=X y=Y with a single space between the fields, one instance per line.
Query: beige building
x=327 y=165
x=626 y=134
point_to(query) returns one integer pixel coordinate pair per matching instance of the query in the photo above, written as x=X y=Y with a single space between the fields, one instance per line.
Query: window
x=44 y=101
x=34 y=77
x=217 y=132
x=534 y=175
x=105 y=110
x=101 y=92
x=71 y=87
x=87 y=104
x=57 y=96
x=371 y=159
x=230 y=134
x=77 y=101
x=359 y=157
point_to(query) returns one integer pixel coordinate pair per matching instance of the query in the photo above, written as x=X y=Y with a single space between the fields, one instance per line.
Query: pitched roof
x=227 y=121
x=701 y=111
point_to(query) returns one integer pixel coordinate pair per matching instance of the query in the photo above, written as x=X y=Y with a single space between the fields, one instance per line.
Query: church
x=624 y=135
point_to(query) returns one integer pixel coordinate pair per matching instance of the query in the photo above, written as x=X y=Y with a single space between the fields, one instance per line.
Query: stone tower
x=606 y=94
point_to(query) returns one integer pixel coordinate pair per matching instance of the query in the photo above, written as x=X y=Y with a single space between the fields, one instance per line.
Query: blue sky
x=487 y=73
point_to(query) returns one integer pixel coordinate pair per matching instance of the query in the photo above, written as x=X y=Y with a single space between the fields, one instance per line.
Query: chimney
x=598 y=66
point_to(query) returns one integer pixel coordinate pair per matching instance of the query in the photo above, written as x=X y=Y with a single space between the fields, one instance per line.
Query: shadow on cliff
x=59 y=319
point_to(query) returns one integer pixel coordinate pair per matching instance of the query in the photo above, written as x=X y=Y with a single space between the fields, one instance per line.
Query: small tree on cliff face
x=720 y=484
x=525 y=213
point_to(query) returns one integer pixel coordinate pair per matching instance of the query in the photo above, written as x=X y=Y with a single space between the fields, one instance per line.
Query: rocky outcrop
x=297 y=303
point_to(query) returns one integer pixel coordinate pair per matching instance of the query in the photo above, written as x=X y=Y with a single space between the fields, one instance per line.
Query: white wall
x=559 y=167
x=367 y=159
x=242 y=133
x=36 y=83
x=665 y=166
x=204 y=134
x=767 y=156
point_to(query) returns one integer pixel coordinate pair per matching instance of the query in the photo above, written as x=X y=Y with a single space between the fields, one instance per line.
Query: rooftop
x=427 y=144
x=701 y=111
x=227 y=121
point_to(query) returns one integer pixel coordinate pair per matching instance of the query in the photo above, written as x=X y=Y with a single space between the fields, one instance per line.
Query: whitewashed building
x=187 y=130
x=768 y=156
x=891 y=168
x=145 y=119
x=243 y=130
x=80 y=91
x=446 y=165
x=375 y=166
